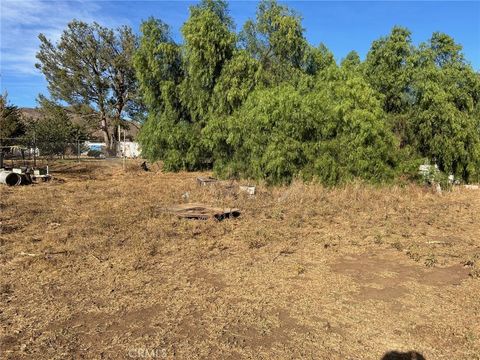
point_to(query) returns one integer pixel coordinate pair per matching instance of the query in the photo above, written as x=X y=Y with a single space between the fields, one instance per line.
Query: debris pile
x=23 y=176
x=204 y=181
x=203 y=212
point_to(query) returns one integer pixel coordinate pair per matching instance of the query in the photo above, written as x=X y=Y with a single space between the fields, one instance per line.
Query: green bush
x=333 y=133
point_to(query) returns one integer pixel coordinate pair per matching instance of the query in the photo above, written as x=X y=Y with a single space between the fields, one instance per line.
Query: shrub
x=334 y=133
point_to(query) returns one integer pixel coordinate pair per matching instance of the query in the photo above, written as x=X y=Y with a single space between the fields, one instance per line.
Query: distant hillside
x=131 y=133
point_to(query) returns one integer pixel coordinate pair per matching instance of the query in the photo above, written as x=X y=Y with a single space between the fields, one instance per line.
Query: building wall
x=129 y=149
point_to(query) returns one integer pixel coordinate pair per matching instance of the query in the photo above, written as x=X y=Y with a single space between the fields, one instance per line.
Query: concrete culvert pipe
x=10 y=178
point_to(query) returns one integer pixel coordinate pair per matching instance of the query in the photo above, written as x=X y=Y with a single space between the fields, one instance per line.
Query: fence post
x=34 y=150
x=124 y=151
x=118 y=147
x=1 y=154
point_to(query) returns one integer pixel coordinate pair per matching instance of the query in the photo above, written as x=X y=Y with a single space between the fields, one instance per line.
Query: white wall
x=130 y=148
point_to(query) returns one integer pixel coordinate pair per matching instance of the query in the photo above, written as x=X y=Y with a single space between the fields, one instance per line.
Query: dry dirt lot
x=92 y=267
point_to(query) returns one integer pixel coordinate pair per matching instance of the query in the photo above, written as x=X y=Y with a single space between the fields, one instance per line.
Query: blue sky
x=341 y=25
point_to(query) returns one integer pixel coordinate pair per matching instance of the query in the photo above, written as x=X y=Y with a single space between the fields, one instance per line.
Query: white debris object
x=472 y=187
x=250 y=190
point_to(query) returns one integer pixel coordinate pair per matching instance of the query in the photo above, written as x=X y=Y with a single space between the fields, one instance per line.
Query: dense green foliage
x=265 y=104
x=53 y=131
x=444 y=119
x=431 y=99
x=333 y=132
x=178 y=83
x=11 y=124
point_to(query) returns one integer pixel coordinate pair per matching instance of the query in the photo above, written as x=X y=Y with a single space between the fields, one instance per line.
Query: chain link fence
x=22 y=151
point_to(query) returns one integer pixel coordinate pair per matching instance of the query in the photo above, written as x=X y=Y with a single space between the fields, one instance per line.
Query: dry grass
x=91 y=267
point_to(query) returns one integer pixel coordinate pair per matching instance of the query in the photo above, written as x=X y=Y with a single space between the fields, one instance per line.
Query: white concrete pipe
x=10 y=178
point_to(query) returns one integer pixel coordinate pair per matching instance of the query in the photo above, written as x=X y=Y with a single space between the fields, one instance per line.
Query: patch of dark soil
x=384 y=275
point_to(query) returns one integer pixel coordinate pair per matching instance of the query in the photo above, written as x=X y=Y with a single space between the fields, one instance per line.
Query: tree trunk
x=105 y=130
x=118 y=120
x=104 y=125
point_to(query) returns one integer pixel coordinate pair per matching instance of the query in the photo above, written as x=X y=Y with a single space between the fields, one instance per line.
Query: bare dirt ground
x=92 y=267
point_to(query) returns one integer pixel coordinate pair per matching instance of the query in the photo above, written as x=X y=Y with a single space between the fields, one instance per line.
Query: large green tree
x=443 y=119
x=178 y=84
x=53 y=130
x=158 y=64
x=11 y=124
x=92 y=65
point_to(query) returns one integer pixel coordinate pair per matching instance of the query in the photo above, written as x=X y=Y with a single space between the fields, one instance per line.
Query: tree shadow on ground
x=396 y=355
